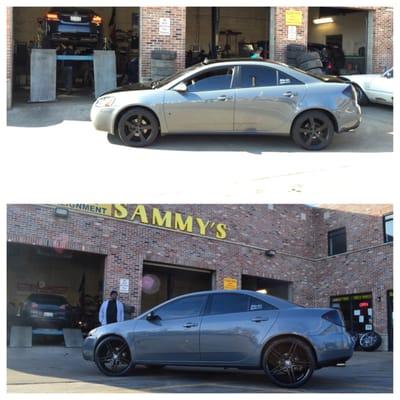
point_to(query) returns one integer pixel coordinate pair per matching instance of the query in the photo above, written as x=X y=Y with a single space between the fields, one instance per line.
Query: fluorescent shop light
x=326 y=20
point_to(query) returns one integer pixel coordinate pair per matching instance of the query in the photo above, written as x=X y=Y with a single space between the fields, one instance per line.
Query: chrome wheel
x=289 y=362
x=113 y=356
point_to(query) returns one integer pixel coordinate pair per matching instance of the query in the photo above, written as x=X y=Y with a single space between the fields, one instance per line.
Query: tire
x=370 y=341
x=313 y=130
x=288 y=362
x=295 y=47
x=113 y=357
x=138 y=127
x=362 y=98
x=303 y=57
x=307 y=65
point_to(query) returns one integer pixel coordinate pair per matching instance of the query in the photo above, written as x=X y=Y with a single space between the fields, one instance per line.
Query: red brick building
x=334 y=255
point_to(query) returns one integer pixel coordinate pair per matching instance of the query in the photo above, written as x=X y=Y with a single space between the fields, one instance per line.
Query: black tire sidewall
x=299 y=121
x=155 y=129
x=310 y=355
x=105 y=371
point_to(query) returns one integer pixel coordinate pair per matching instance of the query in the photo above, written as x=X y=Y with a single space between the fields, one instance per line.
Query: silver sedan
x=237 y=329
x=231 y=97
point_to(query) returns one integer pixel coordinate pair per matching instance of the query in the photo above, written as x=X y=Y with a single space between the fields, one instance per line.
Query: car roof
x=240 y=59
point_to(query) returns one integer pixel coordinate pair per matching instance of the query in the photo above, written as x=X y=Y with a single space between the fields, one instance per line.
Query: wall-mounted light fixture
x=61 y=212
x=270 y=253
x=326 y=20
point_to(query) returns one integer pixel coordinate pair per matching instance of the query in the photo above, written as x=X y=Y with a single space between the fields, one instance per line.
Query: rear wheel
x=288 y=362
x=113 y=357
x=138 y=127
x=313 y=130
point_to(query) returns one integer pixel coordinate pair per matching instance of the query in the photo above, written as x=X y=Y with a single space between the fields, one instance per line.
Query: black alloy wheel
x=113 y=357
x=288 y=362
x=138 y=127
x=313 y=130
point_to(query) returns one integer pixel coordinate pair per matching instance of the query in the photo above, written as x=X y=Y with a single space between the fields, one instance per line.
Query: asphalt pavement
x=56 y=369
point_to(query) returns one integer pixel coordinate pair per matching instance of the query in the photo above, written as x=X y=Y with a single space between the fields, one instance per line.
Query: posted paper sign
x=370 y=311
x=361 y=318
x=124 y=285
x=292 y=32
x=356 y=312
x=165 y=26
x=368 y=327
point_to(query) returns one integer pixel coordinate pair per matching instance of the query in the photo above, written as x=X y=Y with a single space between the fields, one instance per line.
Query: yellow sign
x=230 y=283
x=294 y=17
x=154 y=216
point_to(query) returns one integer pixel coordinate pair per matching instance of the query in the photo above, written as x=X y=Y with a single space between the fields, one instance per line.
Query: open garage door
x=340 y=35
x=226 y=32
x=50 y=289
x=273 y=287
x=162 y=282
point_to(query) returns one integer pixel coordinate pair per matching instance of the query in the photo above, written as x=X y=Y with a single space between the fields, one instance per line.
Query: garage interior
x=225 y=32
x=273 y=287
x=77 y=276
x=161 y=282
x=345 y=28
x=121 y=33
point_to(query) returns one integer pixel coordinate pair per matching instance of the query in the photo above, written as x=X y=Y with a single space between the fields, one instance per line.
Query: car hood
x=128 y=88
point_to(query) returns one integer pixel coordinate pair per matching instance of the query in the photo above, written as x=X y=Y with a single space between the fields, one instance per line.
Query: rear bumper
x=348 y=116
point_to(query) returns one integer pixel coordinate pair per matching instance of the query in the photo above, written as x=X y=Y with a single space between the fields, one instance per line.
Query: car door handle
x=259 y=319
x=289 y=94
x=190 y=325
x=224 y=98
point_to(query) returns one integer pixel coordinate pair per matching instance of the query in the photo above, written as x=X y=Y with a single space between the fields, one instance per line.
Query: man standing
x=112 y=310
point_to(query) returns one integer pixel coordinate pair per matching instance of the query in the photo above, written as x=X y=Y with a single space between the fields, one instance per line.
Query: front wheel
x=138 y=127
x=313 y=130
x=113 y=357
x=288 y=362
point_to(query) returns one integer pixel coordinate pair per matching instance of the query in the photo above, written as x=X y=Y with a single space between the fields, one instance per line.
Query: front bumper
x=102 y=118
x=88 y=347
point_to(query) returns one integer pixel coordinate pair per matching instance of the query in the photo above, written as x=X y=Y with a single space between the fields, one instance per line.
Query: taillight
x=350 y=92
x=52 y=17
x=334 y=316
x=96 y=19
x=34 y=305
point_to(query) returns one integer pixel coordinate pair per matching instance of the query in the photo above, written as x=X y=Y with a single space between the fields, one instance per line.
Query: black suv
x=73 y=26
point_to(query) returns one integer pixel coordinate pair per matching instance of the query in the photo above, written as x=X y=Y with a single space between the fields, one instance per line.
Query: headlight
x=105 y=101
x=92 y=332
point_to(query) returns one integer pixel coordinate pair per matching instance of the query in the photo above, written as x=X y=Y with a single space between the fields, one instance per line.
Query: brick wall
x=281 y=31
x=150 y=39
x=10 y=52
x=298 y=233
x=382 y=56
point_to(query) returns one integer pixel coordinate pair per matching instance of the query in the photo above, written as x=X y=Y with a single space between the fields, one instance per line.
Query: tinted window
x=257 y=75
x=216 y=79
x=337 y=241
x=388 y=228
x=285 y=79
x=229 y=303
x=257 y=304
x=47 y=299
x=183 y=308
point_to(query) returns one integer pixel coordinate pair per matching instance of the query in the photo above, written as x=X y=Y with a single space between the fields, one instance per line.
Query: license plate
x=48 y=314
x=74 y=18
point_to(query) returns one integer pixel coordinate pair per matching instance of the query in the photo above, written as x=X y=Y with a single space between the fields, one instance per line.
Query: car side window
x=215 y=79
x=257 y=76
x=183 y=308
x=229 y=303
x=258 y=305
x=285 y=79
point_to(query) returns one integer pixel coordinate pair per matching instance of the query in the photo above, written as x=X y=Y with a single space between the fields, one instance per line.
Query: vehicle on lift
x=374 y=88
x=46 y=311
x=235 y=329
x=74 y=26
x=232 y=96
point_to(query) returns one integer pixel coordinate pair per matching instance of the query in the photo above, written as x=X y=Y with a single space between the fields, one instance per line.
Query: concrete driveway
x=54 y=369
x=62 y=141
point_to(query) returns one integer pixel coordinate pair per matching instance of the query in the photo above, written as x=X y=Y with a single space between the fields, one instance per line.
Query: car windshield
x=168 y=79
x=47 y=299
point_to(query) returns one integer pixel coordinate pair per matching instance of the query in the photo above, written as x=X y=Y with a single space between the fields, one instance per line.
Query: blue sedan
x=236 y=328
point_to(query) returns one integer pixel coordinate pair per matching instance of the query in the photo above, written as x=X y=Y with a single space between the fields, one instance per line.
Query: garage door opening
x=73 y=33
x=273 y=287
x=340 y=35
x=50 y=289
x=162 y=282
x=226 y=32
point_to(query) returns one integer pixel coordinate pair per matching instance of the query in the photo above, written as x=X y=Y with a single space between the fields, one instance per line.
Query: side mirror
x=180 y=87
x=151 y=316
